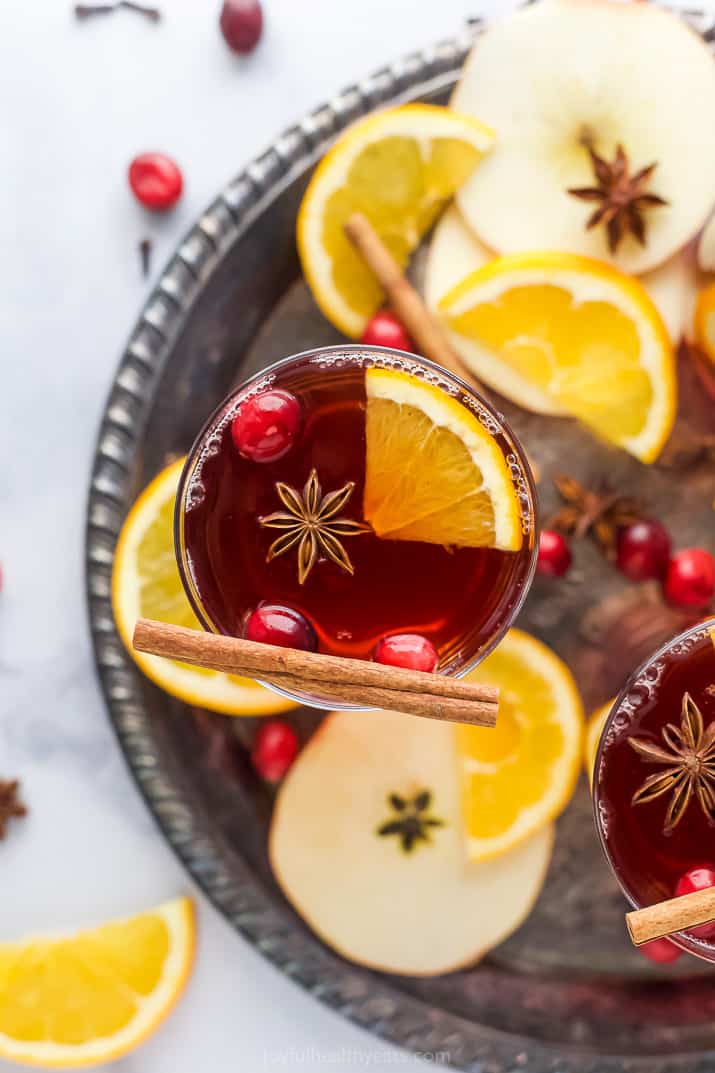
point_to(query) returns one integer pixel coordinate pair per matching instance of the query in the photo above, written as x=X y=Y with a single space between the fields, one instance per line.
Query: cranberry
x=274 y=750
x=266 y=426
x=661 y=950
x=241 y=24
x=384 y=329
x=698 y=878
x=643 y=550
x=554 y=557
x=155 y=180
x=407 y=650
x=690 y=580
x=272 y=624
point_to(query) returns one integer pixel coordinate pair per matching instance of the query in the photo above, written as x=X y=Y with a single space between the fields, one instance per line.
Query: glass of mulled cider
x=654 y=780
x=358 y=502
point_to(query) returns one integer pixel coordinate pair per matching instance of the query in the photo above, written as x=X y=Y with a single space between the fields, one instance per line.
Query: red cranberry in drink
x=384 y=329
x=241 y=24
x=267 y=425
x=407 y=650
x=661 y=951
x=700 y=877
x=643 y=550
x=690 y=580
x=274 y=750
x=554 y=556
x=155 y=180
x=273 y=624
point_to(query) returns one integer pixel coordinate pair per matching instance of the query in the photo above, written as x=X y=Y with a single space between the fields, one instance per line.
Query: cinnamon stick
x=668 y=917
x=402 y=296
x=352 y=681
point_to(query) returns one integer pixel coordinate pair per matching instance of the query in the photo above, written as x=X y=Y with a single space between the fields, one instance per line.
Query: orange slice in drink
x=434 y=472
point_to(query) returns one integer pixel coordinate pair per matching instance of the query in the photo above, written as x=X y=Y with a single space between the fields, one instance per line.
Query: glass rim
x=685 y=942
x=349 y=351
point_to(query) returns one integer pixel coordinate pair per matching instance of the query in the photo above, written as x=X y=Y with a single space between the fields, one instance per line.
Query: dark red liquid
x=649 y=862
x=458 y=598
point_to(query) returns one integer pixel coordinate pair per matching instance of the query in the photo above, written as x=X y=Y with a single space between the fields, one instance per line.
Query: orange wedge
x=399 y=167
x=434 y=473
x=85 y=999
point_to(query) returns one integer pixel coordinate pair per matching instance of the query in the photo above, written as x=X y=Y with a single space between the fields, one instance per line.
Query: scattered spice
x=688 y=449
x=145 y=251
x=597 y=514
x=11 y=808
x=83 y=11
x=310 y=521
x=621 y=197
x=690 y=765
x=411 y=821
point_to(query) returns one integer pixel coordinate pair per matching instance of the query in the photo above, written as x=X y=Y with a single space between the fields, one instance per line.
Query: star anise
x=10 y=805
x=690 y=765
x=412 y=820
x=622 y=197
x=598 y=514
x=310 y=521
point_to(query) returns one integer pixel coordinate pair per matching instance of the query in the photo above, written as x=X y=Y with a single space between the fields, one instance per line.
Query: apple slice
x=454 y=252
x=672 y=288
x=557 y=77
x=706 y=247
x=341 y=849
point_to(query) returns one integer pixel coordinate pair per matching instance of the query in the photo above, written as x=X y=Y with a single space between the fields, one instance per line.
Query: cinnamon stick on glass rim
x=404 y=299
x=352 y=681
x=676 y=914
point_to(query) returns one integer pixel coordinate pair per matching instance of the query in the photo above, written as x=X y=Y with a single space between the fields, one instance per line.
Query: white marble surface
x=79 y=100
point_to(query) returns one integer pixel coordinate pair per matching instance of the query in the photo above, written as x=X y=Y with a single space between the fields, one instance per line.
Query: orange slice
x=705 y=320
x=519 y=775
x=84 y=999
x=146 y=583
x=399 y=167
x=584 y=338
x=433 y=472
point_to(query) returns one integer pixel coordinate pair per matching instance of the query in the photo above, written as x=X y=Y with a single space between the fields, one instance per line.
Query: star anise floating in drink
x=412 y=821
x=622 y=198
x=11 y=808
x=689 y=759
x=310 y=521
x=598 y=514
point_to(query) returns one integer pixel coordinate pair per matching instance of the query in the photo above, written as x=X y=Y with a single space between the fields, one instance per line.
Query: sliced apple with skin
x=672 y=288
x=420 y=911
x=706 y=247
x=559 y=75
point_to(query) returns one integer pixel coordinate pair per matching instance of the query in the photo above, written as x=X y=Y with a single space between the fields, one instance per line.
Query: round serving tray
x=566 y=993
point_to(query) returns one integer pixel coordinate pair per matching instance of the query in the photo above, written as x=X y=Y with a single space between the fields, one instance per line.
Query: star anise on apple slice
x=689 y=759
x=411 y=821
x=622 y=198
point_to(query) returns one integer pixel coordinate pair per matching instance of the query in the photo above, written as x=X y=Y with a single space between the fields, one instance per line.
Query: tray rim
x=384 y=1010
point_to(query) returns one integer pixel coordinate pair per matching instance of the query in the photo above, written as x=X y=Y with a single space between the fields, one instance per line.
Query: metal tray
x=566 y=993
